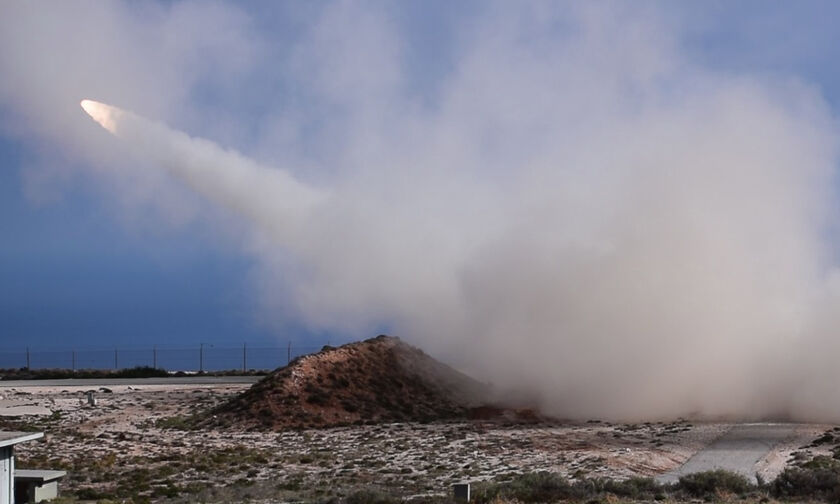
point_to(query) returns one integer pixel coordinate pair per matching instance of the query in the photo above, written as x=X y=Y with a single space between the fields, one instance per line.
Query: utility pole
x=154 y=356
x=74 y=361
x=116 y=359
x=244 y=357
x=27 y=357
x=201 y=358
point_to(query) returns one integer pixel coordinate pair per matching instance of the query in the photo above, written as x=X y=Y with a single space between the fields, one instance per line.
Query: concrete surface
x=740 y=449
x=14 y=408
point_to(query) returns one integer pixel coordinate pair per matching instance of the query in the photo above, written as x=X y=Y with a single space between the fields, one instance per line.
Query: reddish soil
x=379 y=380
x=514 y=415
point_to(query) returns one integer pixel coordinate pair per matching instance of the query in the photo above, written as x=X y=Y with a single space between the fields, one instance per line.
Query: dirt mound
x=378 y=380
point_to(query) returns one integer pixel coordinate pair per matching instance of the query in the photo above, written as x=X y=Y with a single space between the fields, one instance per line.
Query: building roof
x=8 y=438
x=38 y=475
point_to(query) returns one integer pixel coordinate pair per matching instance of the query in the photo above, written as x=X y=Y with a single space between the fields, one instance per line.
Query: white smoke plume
x=272 y=199
x=580 y=213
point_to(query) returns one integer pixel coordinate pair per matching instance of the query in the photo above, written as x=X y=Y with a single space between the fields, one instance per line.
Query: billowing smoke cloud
x=574 y=211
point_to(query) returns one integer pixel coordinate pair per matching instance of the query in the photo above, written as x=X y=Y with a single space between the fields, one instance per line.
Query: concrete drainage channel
x=739 y=450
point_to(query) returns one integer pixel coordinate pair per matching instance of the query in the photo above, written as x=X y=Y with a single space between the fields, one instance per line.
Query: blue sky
x=87 y=261
x=73 y=275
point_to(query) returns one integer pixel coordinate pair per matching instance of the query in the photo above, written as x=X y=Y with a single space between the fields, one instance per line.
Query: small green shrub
x=90 y=494
x=634 y=488
x=822 y=462
x=176 y=423
x=369 y=497
x=817 y=479
x=826 y=438
x=529 y=487
x=168 y=490
x=318 y=398
x=290 y=484
x=141 y=372
x=712 y=483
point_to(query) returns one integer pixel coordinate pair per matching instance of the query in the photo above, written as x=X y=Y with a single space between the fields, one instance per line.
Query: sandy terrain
x=126 y=445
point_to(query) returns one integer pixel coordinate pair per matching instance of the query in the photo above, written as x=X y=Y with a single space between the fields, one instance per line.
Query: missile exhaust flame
x=106 y=115
x=271 y=198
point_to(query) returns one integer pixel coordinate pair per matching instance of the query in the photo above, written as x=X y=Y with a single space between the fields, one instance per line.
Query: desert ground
x=134 y=445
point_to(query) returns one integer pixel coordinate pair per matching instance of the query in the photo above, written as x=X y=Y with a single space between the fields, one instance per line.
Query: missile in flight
x=271 y=197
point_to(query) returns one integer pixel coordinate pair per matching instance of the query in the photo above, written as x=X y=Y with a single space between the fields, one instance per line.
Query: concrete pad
x=740 y=450
x=24 y=410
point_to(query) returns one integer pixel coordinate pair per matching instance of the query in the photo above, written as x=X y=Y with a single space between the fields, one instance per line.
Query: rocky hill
x=377 y=380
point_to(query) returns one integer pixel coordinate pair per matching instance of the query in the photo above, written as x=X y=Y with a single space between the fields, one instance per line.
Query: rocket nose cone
x=105 y=115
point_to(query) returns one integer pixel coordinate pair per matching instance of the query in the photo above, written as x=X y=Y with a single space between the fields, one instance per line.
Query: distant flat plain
x=104 y=382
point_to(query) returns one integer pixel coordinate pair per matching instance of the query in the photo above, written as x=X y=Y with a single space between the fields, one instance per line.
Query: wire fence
x=203 y=357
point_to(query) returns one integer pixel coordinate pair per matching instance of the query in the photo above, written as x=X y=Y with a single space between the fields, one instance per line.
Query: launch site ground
x=132 y=445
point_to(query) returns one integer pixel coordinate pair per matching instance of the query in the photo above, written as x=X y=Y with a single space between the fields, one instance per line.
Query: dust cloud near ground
x=376 y=414
x=134 y=442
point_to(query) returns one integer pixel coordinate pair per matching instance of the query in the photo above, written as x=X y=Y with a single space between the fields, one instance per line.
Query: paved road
x=102 y=382
x=738 y=450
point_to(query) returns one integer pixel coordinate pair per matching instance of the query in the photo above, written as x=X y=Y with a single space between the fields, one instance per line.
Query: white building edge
x=8 y=440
